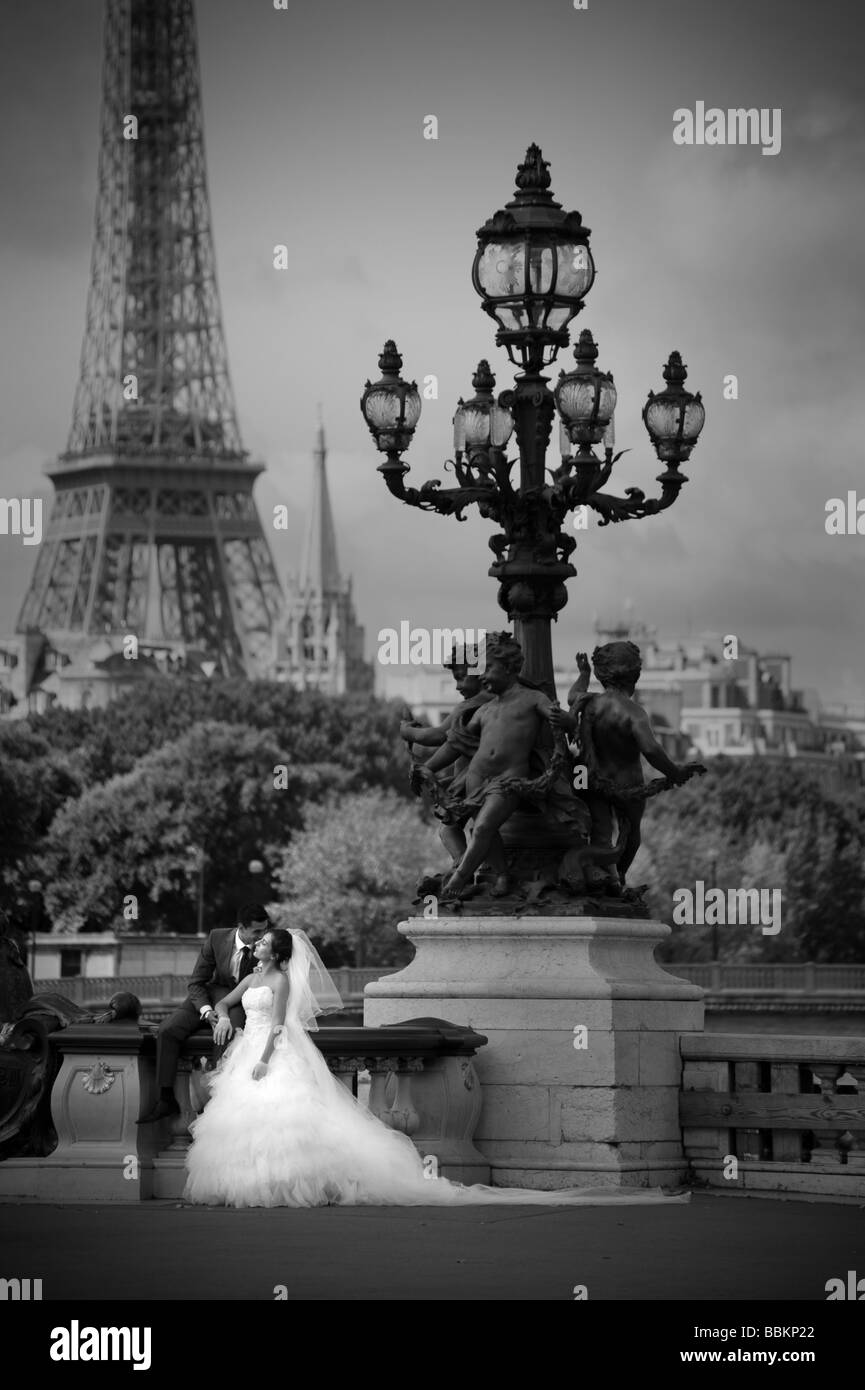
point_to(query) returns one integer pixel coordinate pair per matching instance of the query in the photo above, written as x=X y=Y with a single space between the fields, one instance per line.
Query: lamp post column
x=532 y=578
x=34 y=887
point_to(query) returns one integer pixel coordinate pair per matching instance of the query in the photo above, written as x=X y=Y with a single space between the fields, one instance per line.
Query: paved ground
x=714 y=1248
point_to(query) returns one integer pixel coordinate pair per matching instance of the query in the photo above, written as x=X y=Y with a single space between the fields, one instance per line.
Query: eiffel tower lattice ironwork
x=154 y=530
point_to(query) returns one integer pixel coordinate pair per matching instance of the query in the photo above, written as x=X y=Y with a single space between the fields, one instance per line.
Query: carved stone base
x=437 y=1103
x=101 y=1153
x=581 y=1073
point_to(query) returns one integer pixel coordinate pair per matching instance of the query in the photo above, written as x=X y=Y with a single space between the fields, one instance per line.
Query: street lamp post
x=34 y=888
x=713 y=861
x=533 y=268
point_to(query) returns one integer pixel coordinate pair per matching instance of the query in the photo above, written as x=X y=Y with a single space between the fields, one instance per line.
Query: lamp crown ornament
x=390 y=359
x=533 y=180
x=675 y=369
x=586 y=350
x=483 y=379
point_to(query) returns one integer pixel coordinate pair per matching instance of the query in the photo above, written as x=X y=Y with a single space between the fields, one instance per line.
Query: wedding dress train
x=298 y=1138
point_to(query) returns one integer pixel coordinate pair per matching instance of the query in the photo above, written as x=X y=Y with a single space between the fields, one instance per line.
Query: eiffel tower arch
x=154 y=531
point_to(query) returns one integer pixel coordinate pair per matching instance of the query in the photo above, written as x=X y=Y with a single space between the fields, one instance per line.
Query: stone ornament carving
x=98 y=1079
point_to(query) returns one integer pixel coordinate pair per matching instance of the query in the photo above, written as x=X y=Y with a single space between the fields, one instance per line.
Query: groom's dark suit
x=210 y=981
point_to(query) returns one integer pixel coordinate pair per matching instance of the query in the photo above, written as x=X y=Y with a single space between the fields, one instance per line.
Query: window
x=70 y=963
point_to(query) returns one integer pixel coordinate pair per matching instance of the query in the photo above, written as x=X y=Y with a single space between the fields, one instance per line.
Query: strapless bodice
x=258 y=999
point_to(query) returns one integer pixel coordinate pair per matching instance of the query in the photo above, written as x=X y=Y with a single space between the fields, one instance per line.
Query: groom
x=225 y=959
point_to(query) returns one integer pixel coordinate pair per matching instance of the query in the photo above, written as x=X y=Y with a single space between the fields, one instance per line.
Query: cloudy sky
x=748 y=264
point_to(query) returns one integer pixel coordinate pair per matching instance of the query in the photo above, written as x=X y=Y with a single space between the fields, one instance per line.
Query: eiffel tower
x=154 y=531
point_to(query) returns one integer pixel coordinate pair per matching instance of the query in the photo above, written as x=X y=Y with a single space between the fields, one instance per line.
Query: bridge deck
x=715 y=1248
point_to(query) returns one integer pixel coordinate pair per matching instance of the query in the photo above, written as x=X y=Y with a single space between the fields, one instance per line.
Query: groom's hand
x=222 y=1032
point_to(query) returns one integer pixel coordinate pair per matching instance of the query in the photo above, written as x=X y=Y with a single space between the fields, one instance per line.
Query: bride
x=280 y=1131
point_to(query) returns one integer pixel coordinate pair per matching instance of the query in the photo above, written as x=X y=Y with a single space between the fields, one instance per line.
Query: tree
x=212 y=789
x=35 y=781
x=766 y=825
x=347 y=877
x=359 y=732
x=136 y=835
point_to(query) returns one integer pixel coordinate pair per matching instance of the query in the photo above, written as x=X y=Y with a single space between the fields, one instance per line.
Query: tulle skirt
x=298 y=1138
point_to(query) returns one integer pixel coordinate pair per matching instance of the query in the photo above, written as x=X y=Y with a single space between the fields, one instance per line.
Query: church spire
x=320 y=644
x=319 y=573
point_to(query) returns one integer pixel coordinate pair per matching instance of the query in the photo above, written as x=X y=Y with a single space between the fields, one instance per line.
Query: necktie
x=244 y=965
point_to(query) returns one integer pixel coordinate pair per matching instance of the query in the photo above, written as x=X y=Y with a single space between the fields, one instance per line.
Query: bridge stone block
x=550 y=1108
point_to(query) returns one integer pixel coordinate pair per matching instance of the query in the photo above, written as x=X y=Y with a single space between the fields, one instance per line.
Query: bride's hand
x=259 y=1070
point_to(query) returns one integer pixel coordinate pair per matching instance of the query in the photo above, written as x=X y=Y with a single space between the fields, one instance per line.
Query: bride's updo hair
x=281 y=942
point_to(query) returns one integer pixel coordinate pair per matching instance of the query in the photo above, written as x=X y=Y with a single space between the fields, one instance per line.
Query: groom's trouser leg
x=173 y=1032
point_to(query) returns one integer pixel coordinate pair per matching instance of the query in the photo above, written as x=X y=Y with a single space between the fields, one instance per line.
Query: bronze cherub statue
x=614 y=735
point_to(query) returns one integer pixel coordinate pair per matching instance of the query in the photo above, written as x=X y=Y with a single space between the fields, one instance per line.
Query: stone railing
x=767 y=1114
x=422 y=1082
x=97 y=989
x=715 y=976
x=806 y=976
x=170 y=990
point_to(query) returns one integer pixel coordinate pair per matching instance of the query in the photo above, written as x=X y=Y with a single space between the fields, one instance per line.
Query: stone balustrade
x=423 y=1082
x=808 y=976
x=769 y=1114
x=160 y=993
x=759 y=1115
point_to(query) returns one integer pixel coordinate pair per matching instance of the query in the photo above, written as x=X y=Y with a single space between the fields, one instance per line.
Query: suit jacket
x=211 y=977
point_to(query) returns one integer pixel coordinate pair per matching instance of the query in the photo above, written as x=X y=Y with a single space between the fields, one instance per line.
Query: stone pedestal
x=104 y=1080
x=582 y=1071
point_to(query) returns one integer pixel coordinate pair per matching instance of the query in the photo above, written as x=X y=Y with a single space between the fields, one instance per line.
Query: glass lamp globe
x=586 y=397
x=392 y=406
x=533 y=267
x=482 y=423
x=674 y=417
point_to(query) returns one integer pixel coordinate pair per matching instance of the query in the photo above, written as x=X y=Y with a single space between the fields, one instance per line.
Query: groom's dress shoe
x=161 y=1110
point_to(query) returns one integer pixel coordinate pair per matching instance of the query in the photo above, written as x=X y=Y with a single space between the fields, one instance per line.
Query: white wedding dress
x=298 y=1138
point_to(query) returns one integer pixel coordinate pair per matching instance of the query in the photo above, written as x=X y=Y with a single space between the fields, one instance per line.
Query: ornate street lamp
x=533 y=269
